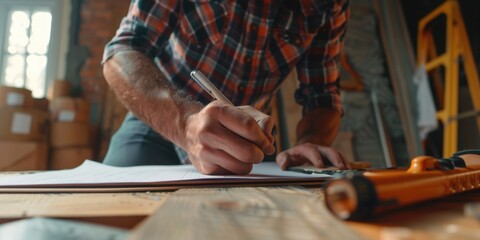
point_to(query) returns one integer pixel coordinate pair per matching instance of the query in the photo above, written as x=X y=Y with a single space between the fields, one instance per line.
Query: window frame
x=57 y=10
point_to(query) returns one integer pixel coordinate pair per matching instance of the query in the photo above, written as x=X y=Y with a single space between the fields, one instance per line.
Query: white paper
x=66 y=116
x=91 y=173
x=21 y=123
x=14 y=99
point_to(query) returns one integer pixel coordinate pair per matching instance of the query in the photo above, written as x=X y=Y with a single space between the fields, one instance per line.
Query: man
x=246 y=49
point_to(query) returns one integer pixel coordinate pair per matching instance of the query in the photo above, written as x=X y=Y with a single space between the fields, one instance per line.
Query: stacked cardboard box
x=23 y=130
x=59 y=88
x=70 y=136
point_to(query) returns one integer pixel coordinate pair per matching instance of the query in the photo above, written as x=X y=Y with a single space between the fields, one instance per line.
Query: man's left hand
x=309 y=153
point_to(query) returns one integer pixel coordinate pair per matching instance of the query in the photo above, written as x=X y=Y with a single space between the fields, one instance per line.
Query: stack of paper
x=96 y=177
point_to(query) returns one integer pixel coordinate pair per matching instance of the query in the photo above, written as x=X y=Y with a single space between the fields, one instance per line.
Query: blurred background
x=56 y=109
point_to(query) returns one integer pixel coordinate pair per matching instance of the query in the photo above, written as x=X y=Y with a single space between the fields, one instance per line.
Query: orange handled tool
x=427 y=178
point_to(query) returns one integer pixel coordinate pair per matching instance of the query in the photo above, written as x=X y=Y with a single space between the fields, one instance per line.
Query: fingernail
x=269 y=150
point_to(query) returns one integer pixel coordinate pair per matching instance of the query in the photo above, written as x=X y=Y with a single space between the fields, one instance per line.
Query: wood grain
x=120 y=210
x=243 y=213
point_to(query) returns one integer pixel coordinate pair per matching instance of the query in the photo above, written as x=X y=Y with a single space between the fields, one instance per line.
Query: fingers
x=283 y=160
x=300 y=155
x=334 y=157
x=221 y=163
x=245 y=126
x=224 y=140
x=266 y=123
x=313 y=154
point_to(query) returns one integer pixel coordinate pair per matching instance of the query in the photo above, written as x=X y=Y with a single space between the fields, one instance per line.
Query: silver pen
x=208 y=86
x=212 y=90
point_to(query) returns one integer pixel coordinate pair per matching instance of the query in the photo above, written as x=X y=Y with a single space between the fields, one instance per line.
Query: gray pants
x=135 y=143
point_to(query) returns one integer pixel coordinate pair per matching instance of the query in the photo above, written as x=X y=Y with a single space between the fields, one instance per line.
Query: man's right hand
x=224 y=139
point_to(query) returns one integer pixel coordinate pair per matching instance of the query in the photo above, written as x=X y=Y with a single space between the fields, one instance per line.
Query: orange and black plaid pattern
x=246 y=48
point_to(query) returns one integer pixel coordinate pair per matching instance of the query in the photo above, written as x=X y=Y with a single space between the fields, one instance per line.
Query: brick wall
x=99 y=22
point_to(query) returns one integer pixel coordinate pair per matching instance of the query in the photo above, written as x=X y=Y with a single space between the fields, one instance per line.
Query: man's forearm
x=145 y=91
x=319 y=126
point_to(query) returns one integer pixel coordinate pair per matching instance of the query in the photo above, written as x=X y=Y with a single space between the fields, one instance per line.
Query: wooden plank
x=401 y=64
x=279 y=213
x=243 y=213
x=121 y=210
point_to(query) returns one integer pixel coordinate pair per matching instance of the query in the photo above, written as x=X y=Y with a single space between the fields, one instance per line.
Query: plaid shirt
x=246 y=48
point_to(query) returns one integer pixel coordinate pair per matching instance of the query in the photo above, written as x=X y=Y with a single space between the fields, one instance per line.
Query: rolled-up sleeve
x=319 y=70
x=146 y=28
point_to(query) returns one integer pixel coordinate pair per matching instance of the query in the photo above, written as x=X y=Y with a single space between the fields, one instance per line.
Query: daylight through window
x=26 y=50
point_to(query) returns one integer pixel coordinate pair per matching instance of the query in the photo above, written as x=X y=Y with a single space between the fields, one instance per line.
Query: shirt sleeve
x=146 y=28
x=319 y=70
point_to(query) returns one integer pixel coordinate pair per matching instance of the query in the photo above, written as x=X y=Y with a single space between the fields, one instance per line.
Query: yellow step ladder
x=457 y=49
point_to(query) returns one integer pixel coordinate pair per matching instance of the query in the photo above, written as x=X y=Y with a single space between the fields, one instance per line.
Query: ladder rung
x=434 y=63
x=464 y=115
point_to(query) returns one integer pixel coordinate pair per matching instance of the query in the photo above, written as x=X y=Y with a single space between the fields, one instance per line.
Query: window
x=29 y=31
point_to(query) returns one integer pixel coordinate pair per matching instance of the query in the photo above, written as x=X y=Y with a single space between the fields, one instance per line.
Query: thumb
x=268 y=127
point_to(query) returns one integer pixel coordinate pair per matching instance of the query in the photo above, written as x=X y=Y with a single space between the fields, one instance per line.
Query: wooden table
x=287 y=212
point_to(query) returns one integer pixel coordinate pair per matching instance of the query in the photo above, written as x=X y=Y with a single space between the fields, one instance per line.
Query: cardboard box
x=15 y=97
x=67 y=109
x=23 y=156
x=65 y=158
x=19 y=124
x=69 y=134
x=59 y=88
x=41 y=104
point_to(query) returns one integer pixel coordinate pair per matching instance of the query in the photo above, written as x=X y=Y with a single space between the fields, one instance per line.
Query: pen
x=208 y=86
x=212 y=90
